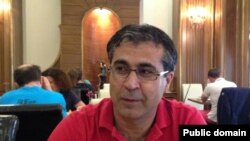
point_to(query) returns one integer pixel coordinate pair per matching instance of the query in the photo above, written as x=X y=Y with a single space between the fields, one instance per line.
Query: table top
x=207 y=104
x=196 y=100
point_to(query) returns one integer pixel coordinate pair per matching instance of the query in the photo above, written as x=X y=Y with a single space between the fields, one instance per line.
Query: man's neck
x=33 y=83
x=134 y=130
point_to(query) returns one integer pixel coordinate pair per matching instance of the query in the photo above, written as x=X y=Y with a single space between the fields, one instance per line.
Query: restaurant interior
x=207 y=34
x=67 y=34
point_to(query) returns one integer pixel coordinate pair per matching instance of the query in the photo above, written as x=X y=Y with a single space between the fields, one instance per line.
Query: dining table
x=207 y=104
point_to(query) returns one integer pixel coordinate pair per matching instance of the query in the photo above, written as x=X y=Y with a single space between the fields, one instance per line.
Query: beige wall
x=41 y=36
x=41 y=39
x=158 y=13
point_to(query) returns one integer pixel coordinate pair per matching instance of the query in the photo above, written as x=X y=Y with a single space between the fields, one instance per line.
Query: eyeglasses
x=144 y=73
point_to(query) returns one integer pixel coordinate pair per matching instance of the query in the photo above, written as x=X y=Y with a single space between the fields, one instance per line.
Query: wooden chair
x=192 y=90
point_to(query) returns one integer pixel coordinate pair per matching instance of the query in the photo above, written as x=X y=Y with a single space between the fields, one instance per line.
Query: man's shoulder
x=11 y=92
x=223 y=82
x=177 y=105
x=231 y=83
x=53 y=93
x=50 y=93
x=100 y=109
x=212 y=84
x=103 y=106
x=95 y=114
x=180 y=113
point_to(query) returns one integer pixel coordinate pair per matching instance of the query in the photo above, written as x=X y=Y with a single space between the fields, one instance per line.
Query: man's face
x=134 y=97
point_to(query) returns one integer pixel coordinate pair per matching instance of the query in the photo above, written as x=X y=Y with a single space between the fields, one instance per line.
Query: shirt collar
x=220 y=78
x=162 y=116
x=162 y=120
x=106 y=114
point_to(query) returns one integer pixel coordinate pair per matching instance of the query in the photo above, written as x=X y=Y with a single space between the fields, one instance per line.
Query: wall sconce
x=4 y=6
x=4 y=9
x=197 y=15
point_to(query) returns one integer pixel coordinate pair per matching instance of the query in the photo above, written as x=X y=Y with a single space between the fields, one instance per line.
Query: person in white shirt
x=212 y=92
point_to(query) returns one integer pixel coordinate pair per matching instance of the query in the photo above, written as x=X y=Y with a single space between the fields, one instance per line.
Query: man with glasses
x=142 y=64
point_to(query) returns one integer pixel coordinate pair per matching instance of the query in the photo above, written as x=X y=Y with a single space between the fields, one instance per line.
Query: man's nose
x=132 y=81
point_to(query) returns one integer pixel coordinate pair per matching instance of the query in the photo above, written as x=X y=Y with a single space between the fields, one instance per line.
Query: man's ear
x=170 y=77
x=16 y=85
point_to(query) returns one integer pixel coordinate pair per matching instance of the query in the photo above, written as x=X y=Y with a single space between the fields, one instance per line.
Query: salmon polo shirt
x=96 y=123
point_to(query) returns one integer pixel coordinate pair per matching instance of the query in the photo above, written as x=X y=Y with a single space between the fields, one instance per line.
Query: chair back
x=85 y=92
x=8 y=127
x=192 y=90
x=234 y=106
x=36 y=121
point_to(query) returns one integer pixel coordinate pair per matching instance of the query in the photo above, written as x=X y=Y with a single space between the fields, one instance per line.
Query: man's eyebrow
x=123 y=62
x=146 y=65
x=120 y=62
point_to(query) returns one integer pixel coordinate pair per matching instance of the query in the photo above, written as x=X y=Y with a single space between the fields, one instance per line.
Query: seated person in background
x=60 y=82
x=32 y=89
x=143 y=60
x=212 y=91
x=82 y=88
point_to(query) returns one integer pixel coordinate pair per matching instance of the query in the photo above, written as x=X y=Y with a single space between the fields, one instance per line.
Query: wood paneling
x=95 y=38
x=11 y=44
x=71 y=20
x=72 y=9
x=1 y=55
x=71 y=39
x=17 y=33
x=68 y=48
x=195 y=43
x=232 y=46
x=220 y=42
x=72 y=31
x=5 y=49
